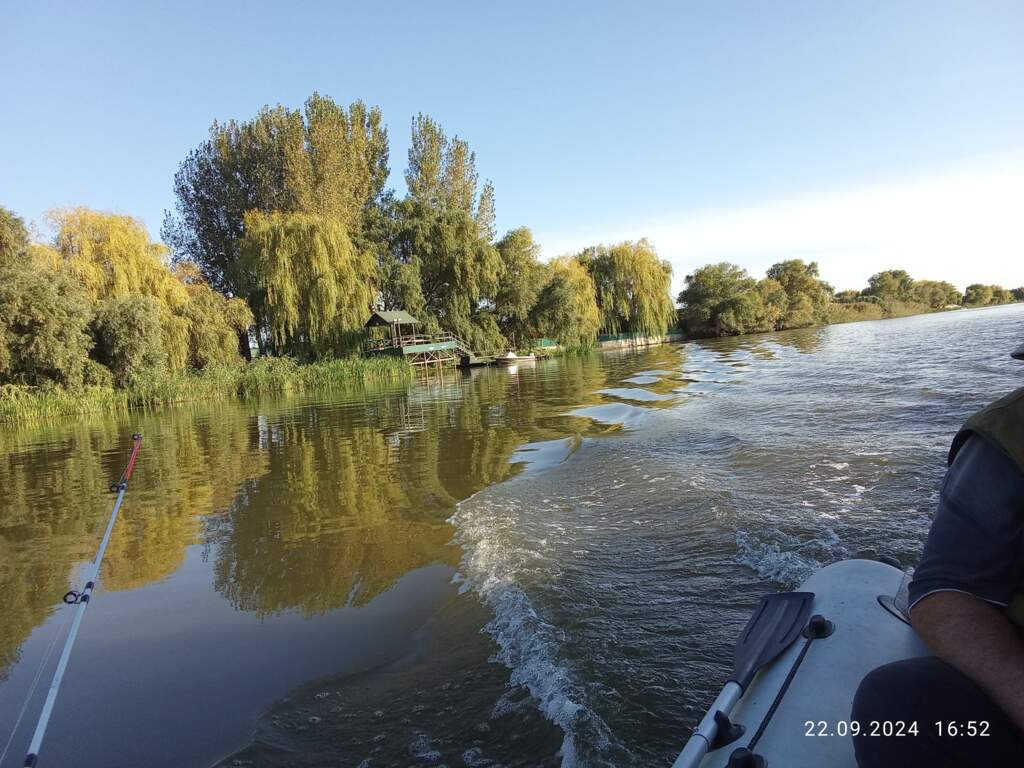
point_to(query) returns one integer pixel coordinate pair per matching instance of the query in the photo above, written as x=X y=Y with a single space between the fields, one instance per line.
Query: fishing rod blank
x=81 y=599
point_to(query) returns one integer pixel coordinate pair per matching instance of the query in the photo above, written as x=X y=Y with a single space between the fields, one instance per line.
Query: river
x=540 y=566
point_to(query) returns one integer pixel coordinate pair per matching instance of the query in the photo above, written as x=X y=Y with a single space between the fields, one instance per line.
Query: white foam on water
x=422 y=748
x=528 y=644
x=787 y=560
x=833 y=464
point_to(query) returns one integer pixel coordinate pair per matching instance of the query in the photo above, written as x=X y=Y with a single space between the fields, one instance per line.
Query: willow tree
x=521 y=281
x=112 y=257
x=979 y=295
x=214 y=320
x=443 y=237
x=132 y=338
x=566 y=309
x=315 y=287
x=324 y=160
x=632 y=287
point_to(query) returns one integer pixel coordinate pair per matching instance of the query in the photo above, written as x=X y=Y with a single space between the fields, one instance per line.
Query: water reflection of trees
x=54 y=505
x=300 y=506
x=763 y=345
x=355 y=497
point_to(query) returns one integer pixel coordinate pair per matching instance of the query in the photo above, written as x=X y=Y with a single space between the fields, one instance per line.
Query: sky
x=862 y=135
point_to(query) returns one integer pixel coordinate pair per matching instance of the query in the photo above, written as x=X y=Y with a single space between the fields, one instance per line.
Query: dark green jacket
x=1002 y=423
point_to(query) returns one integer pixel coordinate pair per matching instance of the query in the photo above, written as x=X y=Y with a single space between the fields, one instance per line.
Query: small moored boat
x=511 y=358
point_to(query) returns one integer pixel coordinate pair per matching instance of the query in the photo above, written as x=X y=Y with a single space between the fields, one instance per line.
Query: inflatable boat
x=797 y=666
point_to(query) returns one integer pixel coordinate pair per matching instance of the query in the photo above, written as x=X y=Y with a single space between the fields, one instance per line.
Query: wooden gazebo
x=394 y=320
x=405 y=340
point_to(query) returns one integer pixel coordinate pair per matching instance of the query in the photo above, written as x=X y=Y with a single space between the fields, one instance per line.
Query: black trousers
x=927 y=691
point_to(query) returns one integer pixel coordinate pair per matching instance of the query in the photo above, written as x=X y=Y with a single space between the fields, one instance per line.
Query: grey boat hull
x=811 y=726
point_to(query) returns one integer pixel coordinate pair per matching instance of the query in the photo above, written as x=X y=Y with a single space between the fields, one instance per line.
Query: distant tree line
x=722 y=299
x=284 y=235
x=290 y=211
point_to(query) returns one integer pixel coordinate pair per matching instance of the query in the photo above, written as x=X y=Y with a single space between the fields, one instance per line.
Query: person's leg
x=927 y=690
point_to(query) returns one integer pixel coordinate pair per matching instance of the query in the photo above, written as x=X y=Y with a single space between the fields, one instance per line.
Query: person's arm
x=972 y=566
x=977 y=639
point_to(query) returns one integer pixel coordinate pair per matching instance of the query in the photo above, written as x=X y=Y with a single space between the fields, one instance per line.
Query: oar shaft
x=700 y=742
x=81 y=604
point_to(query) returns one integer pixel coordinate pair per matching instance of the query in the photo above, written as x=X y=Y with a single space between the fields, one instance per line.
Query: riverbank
x=858 y=311
x=280 y=375
x=264 y=376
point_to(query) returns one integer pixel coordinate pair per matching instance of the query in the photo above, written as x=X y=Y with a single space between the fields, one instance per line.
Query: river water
x=541 y=566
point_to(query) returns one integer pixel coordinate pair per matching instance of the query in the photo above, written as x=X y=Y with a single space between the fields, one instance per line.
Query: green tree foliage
x=13 y=237
x=847 y=297
x=111 y=256
x=890 y=285
x=521 y=281
x=130 y=338
x=777 y=305
x=934 y=293
x=44 y=326
x=215 y=322
x=325 y=160
x=632 y=286
x=566 y=307
x=722 y=299
x=1018 y=294
x=807 y=296
x=315 y=287
x=980 y=295
x=101 y=285
x=442 y=250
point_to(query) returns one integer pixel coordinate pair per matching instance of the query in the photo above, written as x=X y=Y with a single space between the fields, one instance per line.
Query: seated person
x=967 y=605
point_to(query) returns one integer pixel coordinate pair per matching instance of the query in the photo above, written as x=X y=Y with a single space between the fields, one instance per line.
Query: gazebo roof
x=398 y=317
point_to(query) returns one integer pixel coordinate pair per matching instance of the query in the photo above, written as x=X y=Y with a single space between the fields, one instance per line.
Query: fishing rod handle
x=126 y=475
x=704 y=735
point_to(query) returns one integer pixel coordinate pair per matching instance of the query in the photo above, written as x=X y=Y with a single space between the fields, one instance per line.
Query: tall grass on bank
x=264 y=376
x=866 y=310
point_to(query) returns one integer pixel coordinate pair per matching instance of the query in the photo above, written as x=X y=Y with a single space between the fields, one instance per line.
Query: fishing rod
x=81 y=600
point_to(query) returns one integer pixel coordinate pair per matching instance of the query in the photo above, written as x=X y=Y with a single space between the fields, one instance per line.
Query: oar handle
x=700 y=742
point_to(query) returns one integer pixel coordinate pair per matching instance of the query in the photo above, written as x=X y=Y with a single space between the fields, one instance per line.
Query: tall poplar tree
x=442 y=250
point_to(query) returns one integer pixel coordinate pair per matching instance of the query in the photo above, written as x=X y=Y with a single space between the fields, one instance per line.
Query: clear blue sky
x=687 y=122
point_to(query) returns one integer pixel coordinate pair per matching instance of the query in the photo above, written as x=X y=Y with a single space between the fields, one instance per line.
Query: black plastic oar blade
x=775 y=624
